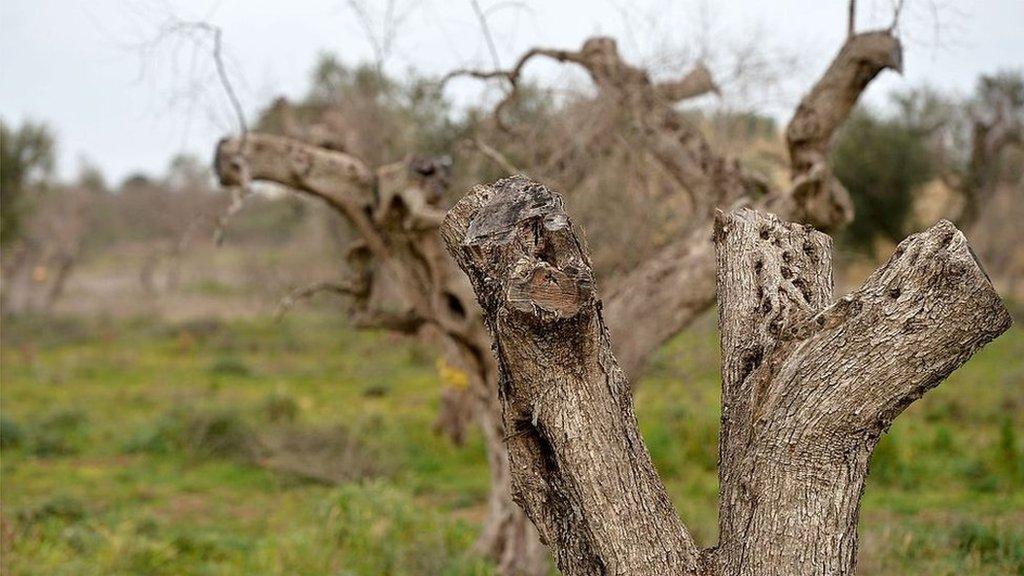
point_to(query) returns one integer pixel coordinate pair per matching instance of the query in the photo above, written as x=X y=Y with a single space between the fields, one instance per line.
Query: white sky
x=80 y=65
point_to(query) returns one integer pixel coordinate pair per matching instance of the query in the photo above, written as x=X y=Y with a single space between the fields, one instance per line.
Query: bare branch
x=896 y=13
x=818 y=197
x=487 y=33
x=342 y=288
x=190 y=30
x=851 y=19
x=340 y=179
x=176 y=26
x=493 y=155
x=381 y=42
x=696 y=83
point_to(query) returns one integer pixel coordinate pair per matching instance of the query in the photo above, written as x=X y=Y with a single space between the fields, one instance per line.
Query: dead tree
x=402 y=281
x=997 y=126
x=39 y=263
x=808 y=388
x=652 y=302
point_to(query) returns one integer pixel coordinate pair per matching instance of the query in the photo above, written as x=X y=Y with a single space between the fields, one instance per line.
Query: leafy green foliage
x=12 y=435
x=26 y=156
x=880 y=161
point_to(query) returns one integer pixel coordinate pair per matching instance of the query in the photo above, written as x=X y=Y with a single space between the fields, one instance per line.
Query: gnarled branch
x=816 y=198
x=403 y=281
x=816 y=195
x=613 y=76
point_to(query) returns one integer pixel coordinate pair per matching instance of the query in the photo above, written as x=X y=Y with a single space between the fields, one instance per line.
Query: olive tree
x=809 y=384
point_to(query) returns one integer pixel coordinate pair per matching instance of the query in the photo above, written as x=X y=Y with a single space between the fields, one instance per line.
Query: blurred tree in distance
x=881 y=160
x=26 y=158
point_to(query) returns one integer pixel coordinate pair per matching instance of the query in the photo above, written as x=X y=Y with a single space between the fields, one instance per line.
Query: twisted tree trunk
x=400 y=279
x=403 y=283
x=808 y=386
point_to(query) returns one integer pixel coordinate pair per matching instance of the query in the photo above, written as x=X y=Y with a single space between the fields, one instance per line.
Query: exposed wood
x=579 y=465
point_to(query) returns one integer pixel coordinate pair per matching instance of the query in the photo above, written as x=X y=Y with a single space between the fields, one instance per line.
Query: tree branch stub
x=809 y=387
x=579 y=465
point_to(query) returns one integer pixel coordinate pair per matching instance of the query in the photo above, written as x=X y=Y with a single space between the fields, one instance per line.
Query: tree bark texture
x=401 y=281
x=808 y=385
x=655 y=288
x=579 y=466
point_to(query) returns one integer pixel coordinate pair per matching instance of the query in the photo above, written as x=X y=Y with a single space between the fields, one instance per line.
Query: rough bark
x=579 y=465
x=403 y=285
x=808 y=386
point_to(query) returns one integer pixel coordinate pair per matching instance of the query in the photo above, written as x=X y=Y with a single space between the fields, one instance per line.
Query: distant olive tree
x=881 y=160
x=26 y=156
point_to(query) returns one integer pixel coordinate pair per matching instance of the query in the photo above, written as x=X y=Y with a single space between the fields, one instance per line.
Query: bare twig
x=487 y=33
x=851 y=19
x=493 y=155
x=382 y=43
x=181 y=26
x=897 y=10
x=342 y=288
x=240 y=192
x=511 y=75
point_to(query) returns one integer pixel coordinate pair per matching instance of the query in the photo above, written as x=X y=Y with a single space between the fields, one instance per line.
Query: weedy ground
x=304 y=447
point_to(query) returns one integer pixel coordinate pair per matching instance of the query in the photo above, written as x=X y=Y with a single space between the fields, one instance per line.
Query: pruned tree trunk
x=579 y=466
x=808 y=386
x=646 y=305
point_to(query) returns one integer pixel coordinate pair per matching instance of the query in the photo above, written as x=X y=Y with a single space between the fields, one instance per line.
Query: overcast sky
x=119 y=98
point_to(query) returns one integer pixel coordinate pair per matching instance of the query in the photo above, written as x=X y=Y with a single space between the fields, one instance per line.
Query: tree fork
x=809 y=386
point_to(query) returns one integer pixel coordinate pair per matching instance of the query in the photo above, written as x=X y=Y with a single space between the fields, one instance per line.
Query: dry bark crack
x=808 y=385
x=407 y=285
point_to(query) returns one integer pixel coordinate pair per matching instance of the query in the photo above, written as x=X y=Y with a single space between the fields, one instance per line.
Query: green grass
x=130 y=447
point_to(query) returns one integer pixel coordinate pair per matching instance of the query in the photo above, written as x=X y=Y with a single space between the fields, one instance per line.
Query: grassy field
x=303 y=447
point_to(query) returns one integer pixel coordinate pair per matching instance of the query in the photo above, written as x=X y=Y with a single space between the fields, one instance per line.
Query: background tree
x=400 y=279
x=934 y=156
x=881 y=161
x=26 y=158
